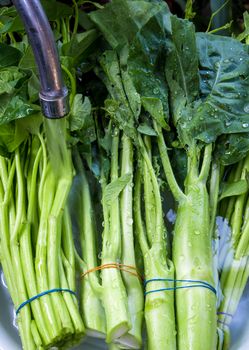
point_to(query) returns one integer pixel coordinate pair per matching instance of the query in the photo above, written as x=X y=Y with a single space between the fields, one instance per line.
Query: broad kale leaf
x=224 y=105
x=219 y=106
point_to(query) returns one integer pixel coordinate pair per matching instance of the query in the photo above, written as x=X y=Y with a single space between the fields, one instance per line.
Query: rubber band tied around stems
x=193 y=284
x=122 y=267
x=50 y=291
x=225 y=314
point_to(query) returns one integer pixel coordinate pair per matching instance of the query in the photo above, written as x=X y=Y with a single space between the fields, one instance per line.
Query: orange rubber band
x=120 y=267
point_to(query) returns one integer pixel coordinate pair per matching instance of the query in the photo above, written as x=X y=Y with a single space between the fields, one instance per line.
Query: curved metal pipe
x=53 y=94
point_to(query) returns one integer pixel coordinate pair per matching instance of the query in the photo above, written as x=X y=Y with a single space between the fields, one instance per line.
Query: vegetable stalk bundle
x=165 y=116
x=37 y=252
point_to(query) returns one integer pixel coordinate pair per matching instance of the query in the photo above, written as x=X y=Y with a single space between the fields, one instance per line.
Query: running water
x=56 y=135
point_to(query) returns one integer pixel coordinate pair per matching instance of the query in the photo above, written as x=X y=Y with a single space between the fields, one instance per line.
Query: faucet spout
x=53 y=93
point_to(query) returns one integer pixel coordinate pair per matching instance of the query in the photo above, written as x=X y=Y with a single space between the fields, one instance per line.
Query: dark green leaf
x=9 y=77
x=9 y=56
x=80 y=113
x=233 y=189
x=12 y=24
x=113 y=189
x=182 y=66
x=14 y=107
x=232 y=148
x=34 y=87
x=154 y=106
x=146 y=130
x=28 y=60
x=11 y=136
x=224 y=104
x=79 y=44
x=130 y=17
x=119 y=107
x=56 y=10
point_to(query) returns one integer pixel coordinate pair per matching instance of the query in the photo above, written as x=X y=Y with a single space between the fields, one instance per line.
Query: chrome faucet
x=53 y=94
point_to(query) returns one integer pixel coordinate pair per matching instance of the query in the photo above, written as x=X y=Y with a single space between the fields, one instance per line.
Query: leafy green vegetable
x=113 y=189
x=9 y=56
x=9 y=77
x=223 y=108
x=233 y=189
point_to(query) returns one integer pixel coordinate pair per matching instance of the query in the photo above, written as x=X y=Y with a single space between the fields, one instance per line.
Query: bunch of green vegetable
x=159 y=119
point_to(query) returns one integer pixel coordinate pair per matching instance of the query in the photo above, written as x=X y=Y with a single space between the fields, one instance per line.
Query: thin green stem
x=43 y=170
x=64 y=31
x=206 y=163
x=214 y=194
x=76 y=17
x=71 y=303
x=72 y=82
x=214 y=14
x=68 y=248
x=139 y=226
x=174 y=187
x=20 y=203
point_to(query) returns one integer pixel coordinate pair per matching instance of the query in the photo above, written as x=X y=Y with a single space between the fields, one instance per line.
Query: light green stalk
x=92 y=309
x=114 y=295
x=150 y=213
x=133 y=339
x=159 y=306
x=192 y=251
x=192 y=257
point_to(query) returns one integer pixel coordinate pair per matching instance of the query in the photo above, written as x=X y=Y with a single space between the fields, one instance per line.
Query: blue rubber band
x=224 y=313
x=199 y=284
x=55 y=290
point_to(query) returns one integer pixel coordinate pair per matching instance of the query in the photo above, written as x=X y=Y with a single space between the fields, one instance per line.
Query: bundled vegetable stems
x=36 y=244
x=234 y=259
x=121 y=296
x=198 y=118
x=171 y=105
x=192 y=255
x=83 y=214
x=158 y=269
x=113 y=305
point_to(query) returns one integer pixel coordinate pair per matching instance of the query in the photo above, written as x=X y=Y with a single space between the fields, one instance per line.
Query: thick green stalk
x=159 y=306
x=133 y=338
x=92 y=309
x=114 y=295
x=192 y=257
x=192 y=252
x=150 y=206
